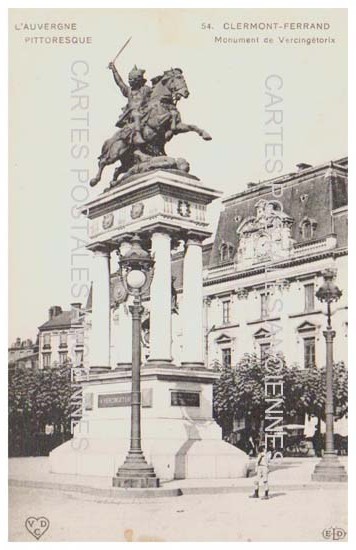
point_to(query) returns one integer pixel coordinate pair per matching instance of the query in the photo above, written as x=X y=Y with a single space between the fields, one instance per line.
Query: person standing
x=317 y=442
x=261 y=481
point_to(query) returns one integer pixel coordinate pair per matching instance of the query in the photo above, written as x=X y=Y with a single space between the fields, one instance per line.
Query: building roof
x=324 y=188
x=66 y=319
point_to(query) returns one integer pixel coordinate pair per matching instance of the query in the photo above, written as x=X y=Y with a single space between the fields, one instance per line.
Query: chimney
x=54 y=311
x=303 y=166
x=251 y=184
x=75 y=310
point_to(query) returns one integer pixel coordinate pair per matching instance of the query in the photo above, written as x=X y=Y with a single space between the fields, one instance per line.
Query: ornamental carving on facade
x=137 y=210
x=265 y=236
x=242 y=293
x=108 y=220
x=184 y=209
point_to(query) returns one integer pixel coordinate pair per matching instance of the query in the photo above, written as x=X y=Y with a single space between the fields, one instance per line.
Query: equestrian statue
x=148 y=121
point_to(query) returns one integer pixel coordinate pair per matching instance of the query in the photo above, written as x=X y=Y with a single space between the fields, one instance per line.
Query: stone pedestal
x=162 y=208
x=329 y=469
x=180 y=439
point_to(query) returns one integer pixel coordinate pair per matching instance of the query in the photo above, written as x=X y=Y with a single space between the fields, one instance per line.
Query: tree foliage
x=240 y=391
x=38 y=398
x=314 y=386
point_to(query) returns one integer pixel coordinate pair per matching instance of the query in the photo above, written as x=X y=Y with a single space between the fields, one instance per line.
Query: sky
x=233 y=89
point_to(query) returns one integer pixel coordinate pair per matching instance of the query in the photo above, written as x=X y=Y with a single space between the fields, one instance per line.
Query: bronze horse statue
x=160 y=121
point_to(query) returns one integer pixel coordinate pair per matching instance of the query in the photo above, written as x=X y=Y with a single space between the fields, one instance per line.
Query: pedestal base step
x=329 y=469
x=171 y=459
x=329 y=477
x=135 y=482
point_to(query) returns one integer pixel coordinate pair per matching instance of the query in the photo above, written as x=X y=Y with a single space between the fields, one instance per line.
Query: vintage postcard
x=177 y=352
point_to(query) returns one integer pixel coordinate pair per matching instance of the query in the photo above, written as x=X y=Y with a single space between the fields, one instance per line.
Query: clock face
x=263 y=246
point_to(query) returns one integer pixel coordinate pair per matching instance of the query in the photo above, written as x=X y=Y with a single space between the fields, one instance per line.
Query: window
x=63 y=338
x=307 y=228
x=226 y=357
x=47 y=340
x=309 y=352
x=264 y=350
x=226 y=252
x=226 y=311
x=63 y=357
x=46 y=359
x=80 y=338
x=264 y=305
x=79 y=356
x=307 y=231
x=309 y=297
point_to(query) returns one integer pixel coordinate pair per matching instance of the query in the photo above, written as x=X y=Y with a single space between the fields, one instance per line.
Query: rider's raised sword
x=121 y=50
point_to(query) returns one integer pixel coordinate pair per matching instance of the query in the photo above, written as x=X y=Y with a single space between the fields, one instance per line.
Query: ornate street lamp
x=329 y=467
x=136 y=270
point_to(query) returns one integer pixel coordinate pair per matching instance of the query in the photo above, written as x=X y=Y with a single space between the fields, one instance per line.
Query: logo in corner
x=334 y=533
x=37 y=526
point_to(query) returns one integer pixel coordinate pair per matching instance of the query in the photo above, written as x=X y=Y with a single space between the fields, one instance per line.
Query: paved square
x=296 y=515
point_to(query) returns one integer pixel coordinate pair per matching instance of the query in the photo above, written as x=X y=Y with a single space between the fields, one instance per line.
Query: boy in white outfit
x=261 y=481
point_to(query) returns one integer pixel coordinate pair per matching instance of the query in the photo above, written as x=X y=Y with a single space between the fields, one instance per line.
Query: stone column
x=121 y=336
x=160 y=300
x=99 y=351
x=192 y=322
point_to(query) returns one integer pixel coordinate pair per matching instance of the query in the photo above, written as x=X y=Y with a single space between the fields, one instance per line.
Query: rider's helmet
x=136 y=76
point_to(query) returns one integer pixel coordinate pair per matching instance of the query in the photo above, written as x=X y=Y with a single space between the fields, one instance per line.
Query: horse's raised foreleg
x=181 y=128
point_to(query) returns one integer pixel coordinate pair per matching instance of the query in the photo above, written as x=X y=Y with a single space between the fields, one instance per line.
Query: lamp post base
x=135 y=473
x=329 y=469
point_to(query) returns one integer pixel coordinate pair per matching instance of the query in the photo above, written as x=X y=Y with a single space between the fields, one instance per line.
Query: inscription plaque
x=114 y=400
x=124 y=399
x=185 y=399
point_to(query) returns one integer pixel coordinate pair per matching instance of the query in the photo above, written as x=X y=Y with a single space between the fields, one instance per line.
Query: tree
x=314 y=391
x=240 y=392
x=37 y=398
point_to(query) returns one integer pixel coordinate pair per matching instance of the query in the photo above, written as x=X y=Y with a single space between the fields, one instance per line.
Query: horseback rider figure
x=148 y=121
x=138 y=95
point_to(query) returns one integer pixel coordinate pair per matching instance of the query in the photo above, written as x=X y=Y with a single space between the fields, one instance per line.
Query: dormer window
x=307 y=228
x=226 y=252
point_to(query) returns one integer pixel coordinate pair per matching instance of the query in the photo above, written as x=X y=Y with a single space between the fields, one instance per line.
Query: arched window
x=223 y=252
x=226 y=252
x=307 y=228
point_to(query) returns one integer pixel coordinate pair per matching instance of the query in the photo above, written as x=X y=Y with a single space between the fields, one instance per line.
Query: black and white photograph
x=178 y=275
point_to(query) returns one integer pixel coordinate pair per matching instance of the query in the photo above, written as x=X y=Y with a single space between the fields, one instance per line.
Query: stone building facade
x=272 y=244
x=61 y=338
x=23 y=353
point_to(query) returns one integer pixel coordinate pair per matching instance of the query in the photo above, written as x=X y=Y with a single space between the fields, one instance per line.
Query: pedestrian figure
x=261 y=481
x=317 y=442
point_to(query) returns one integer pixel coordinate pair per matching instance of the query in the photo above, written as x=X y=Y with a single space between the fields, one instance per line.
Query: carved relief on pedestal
x=137 y=210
